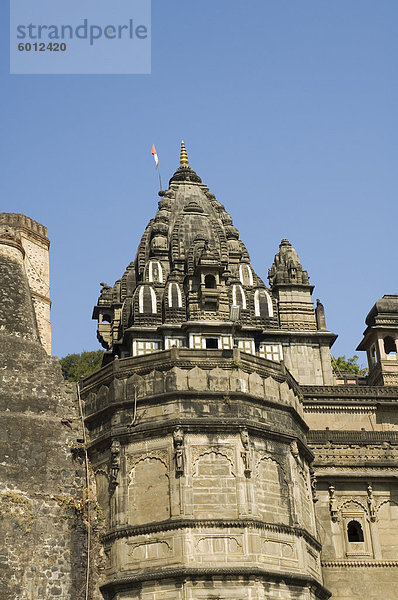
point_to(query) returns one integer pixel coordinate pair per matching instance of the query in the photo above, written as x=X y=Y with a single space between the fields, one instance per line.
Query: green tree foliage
x=76 y=366
x=341 y=364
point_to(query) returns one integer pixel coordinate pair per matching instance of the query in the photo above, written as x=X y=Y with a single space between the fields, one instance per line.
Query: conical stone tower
x=196 y=428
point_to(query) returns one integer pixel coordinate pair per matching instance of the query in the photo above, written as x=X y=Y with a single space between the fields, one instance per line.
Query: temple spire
x=183 y=155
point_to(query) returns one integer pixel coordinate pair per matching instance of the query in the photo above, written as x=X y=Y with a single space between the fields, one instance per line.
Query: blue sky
x=288 y=111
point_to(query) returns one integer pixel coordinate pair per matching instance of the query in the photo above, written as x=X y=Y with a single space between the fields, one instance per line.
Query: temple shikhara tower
x=227 y=459
x=198 y=424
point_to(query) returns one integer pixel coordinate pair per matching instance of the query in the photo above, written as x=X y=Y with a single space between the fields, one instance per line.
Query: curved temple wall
x=204 y=477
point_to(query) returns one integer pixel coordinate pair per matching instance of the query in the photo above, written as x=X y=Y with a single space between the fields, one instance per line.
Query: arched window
x=263 y=304
x=106 y=319
x=147 y=300
x=210 y=282
x=354 y=532
x=245 y=274
x=238 y=296
x=389 y=345
x=155 y=272
x=174 y=296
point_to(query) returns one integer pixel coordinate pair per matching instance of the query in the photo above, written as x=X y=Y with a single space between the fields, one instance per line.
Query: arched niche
x=238 y=296
x=149 y=491
x=263 y=304
x=174 y=295
x=154 y=272
x=214 y=487
x=272 y=492
x=147 y=300
x=245 y=275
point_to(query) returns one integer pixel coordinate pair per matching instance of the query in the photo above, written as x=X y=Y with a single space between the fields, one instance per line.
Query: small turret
x=381 y=341
x=307 y=341
x=287 y=268
x=290 y=283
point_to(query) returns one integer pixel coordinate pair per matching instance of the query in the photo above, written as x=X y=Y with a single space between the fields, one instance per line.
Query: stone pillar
x=309 y=341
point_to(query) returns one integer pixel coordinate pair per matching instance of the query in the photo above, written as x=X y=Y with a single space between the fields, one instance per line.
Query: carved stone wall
x=355 y=443
x=211 y=479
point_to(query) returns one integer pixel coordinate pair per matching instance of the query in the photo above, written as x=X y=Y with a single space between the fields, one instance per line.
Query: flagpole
x=160 y=179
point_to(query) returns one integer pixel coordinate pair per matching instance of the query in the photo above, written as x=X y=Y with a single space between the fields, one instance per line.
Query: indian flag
x=155 y=155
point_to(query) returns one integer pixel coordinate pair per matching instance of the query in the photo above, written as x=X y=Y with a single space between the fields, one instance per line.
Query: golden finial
x=183 y=156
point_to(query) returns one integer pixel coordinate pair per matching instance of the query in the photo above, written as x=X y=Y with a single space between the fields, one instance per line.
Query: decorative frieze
x=349 y=564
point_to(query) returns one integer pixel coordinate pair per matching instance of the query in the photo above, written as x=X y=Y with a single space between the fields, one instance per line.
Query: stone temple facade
x=227 y=460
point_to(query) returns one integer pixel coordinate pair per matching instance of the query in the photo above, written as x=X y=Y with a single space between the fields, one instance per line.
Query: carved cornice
x=171 y=525
x=335 y=408
x=318 y=393
x=360 y=471
x=346 y=564
x=363 y=438
x=118 y=584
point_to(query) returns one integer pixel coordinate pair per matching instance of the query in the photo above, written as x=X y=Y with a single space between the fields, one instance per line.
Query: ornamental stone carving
x=178 y=440
x=115 y=464
x=333 y=503
x=246 y=452
x=371 y=504
x=313 y=482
